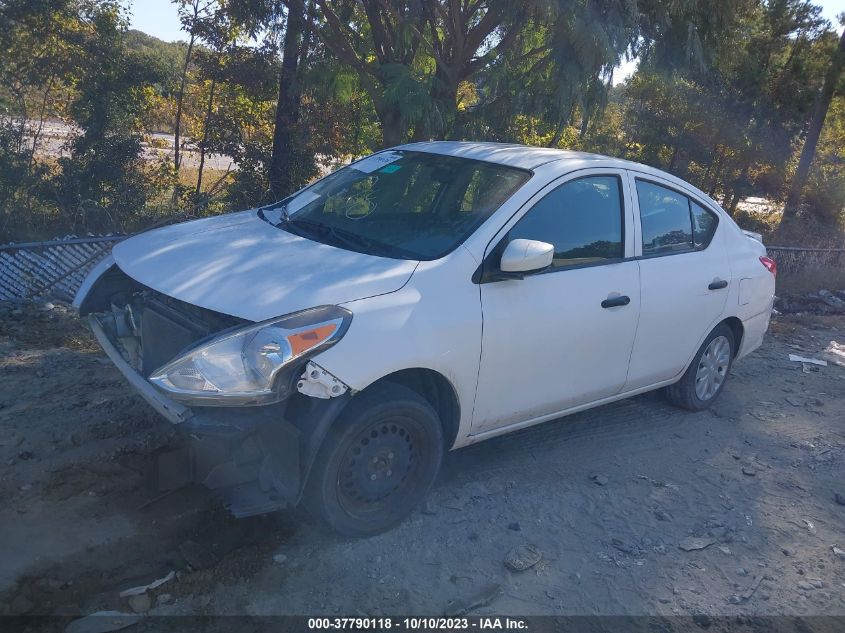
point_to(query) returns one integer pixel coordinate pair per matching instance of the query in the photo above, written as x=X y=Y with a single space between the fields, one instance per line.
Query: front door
x=561 y=337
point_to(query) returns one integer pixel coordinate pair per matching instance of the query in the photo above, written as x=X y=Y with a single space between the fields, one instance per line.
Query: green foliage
x=722 y=96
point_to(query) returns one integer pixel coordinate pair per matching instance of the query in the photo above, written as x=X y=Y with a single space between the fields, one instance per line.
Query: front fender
x=93 y=277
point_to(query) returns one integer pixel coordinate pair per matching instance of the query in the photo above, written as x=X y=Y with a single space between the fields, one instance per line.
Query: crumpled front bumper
x=167 y=407
x=257 y=459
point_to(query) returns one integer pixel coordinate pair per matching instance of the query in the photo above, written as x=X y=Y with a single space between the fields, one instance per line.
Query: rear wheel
x=378 y=462
x=706 y=376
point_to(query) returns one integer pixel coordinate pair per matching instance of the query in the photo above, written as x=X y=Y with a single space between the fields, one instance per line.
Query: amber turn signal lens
x=301 y=342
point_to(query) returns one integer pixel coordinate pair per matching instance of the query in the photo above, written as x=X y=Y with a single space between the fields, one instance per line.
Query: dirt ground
x=635 y=507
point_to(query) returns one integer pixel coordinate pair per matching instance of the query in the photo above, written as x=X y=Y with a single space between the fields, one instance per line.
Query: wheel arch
x=434 y=388
x=737 y=329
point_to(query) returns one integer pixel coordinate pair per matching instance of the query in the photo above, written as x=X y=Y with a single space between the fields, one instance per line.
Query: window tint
x=665 y=218
x=703 y=225
x=582 y=218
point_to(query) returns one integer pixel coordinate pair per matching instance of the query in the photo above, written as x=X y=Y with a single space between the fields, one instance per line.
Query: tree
x=191 y=13
x=104 y=180
x=288 y=106
x=814 y=130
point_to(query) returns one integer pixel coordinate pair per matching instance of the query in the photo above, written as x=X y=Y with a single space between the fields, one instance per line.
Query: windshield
x=401 y=204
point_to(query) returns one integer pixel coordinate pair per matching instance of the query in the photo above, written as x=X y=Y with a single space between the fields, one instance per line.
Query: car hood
x=240 y=265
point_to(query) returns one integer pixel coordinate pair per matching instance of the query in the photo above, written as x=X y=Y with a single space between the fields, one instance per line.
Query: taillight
x=770 y=264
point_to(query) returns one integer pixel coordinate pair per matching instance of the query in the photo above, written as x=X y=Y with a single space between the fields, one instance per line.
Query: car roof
x=511 y=154
x=528 y=157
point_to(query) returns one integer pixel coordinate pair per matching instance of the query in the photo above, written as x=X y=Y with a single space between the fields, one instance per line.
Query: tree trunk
x=288 y=106
x=392 y=125
x=808 y=152
x=561 y=125
x=180 y=98
x=206 y=125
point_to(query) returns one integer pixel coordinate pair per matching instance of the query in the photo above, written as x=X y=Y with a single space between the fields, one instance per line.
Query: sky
x=159 y=18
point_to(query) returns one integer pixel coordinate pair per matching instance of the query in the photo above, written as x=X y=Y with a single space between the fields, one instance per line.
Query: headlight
x=241 y=367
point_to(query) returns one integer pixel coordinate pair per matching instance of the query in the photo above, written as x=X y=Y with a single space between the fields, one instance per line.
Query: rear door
x=563 y=337
x=684 y=278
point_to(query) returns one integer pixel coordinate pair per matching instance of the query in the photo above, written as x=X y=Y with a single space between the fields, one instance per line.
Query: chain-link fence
x=792 y=260
x=55 y=268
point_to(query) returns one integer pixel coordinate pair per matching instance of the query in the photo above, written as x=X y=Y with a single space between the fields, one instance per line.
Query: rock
x=599 y=479
x=831 y=299
x=21 y=605
x=741 y=571
x=102 y=622
x=522 y=557
x=747 y=470
x=279 y=558
x=840 y=554
x=788 y=552
x=48 y=307
x=817 y=584
x=735 y=599
x=164 y=598
x=838 y=498
x=725 y=550
x=693 y=543
x=198 y=556
x=514 y=527
x=140 y=603
x=429 y=508
x=805 y=585
x=487 y=594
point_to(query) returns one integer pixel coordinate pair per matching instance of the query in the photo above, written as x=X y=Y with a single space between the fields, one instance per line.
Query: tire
x=685 y=393
x=378 y=462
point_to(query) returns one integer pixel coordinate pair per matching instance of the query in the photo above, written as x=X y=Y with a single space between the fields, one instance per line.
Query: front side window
x=672 y=222
x=401 y=204
x=582 y=219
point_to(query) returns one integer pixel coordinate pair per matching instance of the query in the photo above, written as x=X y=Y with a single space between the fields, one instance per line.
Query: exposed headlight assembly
x=241 y=367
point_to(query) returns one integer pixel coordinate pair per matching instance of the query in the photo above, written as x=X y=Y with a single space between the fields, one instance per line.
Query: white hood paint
x=240 y=265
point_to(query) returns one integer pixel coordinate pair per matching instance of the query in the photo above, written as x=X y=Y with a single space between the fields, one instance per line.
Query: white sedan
x=329 y=347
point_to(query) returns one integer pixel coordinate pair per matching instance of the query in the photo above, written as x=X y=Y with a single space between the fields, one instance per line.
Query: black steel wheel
x=378 y=462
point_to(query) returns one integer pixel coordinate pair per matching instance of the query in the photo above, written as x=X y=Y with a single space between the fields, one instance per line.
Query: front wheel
x=706 y=376
x=378 y=462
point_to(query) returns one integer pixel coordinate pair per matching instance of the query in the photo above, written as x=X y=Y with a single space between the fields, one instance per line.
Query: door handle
x=718 y=285
x=616 y=302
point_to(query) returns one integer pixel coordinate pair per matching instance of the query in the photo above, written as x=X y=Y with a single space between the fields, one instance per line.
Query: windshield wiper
x=353 y=240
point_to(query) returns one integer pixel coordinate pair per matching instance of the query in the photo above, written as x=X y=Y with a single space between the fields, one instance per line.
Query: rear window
x=672 y=222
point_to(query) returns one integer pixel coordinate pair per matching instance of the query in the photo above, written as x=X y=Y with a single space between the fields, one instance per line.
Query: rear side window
x=703 y=225
x=582 y=219
x=671 y=222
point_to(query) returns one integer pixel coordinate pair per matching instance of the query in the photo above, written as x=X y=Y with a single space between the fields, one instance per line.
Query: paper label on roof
x=377 y=161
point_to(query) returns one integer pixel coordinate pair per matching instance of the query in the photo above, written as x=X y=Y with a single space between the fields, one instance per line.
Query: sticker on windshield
x=377 y=161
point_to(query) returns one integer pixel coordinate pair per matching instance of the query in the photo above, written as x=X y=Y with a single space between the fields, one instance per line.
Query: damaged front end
x=251 y=403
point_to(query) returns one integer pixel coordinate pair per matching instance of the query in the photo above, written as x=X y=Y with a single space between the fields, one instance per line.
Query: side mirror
x=526 y=256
